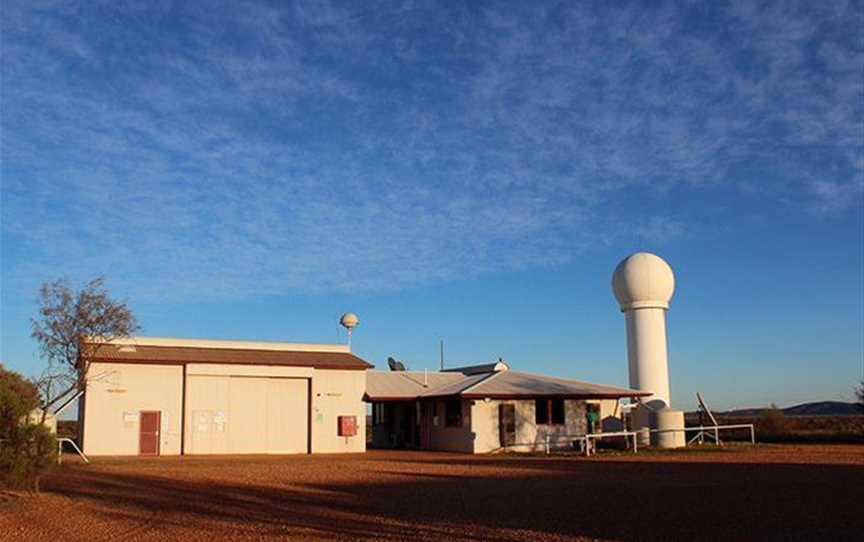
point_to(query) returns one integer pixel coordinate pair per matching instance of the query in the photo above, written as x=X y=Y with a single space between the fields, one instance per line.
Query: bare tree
x=71 y=328
x=859 y=392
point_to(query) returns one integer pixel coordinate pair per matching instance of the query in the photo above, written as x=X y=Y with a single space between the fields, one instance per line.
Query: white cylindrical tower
x=643 y=284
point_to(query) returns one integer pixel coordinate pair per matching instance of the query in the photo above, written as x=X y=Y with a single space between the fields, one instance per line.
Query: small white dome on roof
x=349 y=320
x=643 y=280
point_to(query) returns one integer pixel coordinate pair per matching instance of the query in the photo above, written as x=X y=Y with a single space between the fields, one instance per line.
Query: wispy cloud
x=257 y=149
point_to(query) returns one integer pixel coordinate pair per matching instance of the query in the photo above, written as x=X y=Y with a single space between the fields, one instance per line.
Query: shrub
x=773 y=424
x=27 y=449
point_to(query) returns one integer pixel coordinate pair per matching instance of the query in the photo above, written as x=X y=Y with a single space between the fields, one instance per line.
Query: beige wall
x=246 y=414
x=529 y=435
x=248 y=370
x=452 y=439
x=229 y=408
x=207 y=428
x=334 y=393
x=337 y=393
x=117 y=393
x=239 y=409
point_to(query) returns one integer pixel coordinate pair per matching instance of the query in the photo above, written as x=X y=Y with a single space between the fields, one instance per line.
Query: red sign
x=347 y=426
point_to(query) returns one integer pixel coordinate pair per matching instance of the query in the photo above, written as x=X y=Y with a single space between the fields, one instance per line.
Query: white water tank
x=667 y=419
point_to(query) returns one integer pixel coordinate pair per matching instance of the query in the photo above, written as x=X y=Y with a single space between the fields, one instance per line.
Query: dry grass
x=764 y=493
x=848 y=429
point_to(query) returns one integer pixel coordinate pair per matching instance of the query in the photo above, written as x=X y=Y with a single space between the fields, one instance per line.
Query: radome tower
x=643 y=284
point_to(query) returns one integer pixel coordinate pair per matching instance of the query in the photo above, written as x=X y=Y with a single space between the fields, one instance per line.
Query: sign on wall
x=219 y=420
x=129 y=419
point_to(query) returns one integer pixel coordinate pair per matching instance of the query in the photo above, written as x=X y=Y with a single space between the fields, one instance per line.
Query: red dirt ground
x=786 y=492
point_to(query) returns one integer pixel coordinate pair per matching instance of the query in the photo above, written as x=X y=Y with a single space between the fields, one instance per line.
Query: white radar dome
x=643 y=280
x=349 y=320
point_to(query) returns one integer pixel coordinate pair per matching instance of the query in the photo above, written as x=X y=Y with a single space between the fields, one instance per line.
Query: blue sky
x=472 y=172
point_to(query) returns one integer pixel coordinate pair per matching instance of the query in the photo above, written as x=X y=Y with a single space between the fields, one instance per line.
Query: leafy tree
x=66 y=318
x=27 y=449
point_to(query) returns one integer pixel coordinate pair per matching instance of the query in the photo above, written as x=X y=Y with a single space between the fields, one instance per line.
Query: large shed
x=166 y=396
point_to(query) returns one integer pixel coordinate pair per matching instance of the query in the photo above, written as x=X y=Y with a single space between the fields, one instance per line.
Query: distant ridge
x=820 y=408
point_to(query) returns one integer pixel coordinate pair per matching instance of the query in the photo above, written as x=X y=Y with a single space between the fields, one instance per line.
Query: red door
x=148 y=441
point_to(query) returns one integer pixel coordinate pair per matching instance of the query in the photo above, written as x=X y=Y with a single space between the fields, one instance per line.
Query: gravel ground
x=763 y=493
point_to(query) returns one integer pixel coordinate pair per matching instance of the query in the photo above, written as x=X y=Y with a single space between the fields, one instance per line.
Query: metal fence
x=588 y=443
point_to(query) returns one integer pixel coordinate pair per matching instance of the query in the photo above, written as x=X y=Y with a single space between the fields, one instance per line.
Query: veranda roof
x=502 y=384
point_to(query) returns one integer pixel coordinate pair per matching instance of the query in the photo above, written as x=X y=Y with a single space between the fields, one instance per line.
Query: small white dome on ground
x=643 y=280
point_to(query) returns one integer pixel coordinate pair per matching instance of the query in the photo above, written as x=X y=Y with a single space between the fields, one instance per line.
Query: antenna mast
x=442 y=353
x=349 y=321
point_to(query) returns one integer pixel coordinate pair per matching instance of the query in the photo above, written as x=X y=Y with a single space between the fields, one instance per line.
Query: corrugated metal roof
x=181 y=355
x=514 y=383
x=404 y=385
x=459 y=387
x=398 y=385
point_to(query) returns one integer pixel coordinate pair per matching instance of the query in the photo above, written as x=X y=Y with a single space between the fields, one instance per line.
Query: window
x=453 y=413
x=541 y=411
x=549 y=411
x=557 y=411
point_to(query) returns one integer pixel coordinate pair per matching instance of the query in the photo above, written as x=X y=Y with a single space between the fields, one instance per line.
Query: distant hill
x=821 y=408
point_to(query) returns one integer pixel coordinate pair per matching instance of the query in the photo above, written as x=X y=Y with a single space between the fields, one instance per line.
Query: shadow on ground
x=412 y=497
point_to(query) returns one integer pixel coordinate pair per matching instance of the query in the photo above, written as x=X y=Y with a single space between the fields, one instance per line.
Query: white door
x=247 y=414
x=287 y=416
x=206 y=414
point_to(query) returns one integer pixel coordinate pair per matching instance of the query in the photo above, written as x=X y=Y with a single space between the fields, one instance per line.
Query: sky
x=470 y=172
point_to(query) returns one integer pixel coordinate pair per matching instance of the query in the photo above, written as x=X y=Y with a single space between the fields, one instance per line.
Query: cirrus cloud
x=256 y=148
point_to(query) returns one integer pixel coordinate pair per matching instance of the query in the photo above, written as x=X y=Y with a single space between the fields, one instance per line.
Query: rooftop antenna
x=442 y=353
x=349 y=321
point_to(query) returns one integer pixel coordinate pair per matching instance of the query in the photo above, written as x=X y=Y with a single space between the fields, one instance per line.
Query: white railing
x=60 y=442
x=710 y=431
x=589 y=446
x=588 y=443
